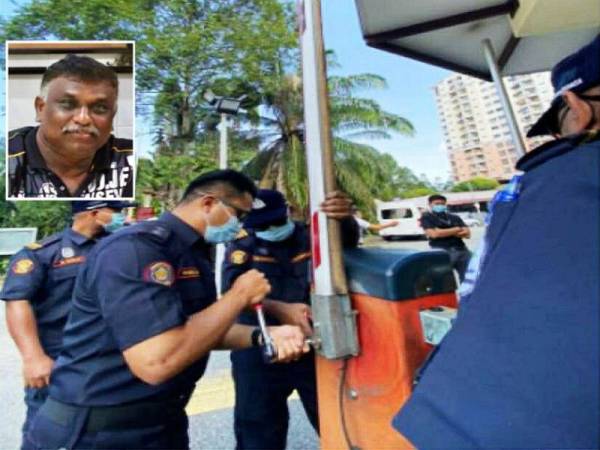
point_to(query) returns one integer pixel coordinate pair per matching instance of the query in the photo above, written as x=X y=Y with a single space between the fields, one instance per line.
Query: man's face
x=221 y=210
x=76 y=116
x=438 y=206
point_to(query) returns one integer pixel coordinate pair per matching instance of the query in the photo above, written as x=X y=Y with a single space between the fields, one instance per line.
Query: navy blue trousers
x=47 y=433
x=34 y=398
x=261 y=412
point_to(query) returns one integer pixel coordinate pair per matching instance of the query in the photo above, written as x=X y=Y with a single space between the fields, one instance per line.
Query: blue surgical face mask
x=277 y=233
x=117 y=221
x=439 y=208
x=223 y=233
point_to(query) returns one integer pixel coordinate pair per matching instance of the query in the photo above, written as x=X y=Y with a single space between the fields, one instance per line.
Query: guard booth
x=404 y=303
x=378 y=314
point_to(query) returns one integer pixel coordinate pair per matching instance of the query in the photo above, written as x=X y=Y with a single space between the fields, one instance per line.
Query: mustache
x=76 y=129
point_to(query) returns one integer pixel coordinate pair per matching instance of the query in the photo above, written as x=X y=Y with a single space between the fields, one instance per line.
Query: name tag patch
x=69 y=261
x=188 y=272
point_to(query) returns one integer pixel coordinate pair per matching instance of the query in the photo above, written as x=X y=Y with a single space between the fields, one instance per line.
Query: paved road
x=210 y=409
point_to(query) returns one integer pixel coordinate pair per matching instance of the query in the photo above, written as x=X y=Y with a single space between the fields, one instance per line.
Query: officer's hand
x=36 y=371
x=289 y=342
x=298 y=314
x=337 y=205
x=252 y=286
x=463 y=232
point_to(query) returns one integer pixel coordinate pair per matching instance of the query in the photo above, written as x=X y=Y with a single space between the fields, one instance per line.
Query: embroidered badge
x=160 y=272
x=34 y=246
x=242 y=234
x=188 y=272
x=238 y=257
x=23 y=266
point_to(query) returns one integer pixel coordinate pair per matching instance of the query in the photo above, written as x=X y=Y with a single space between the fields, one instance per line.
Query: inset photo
x=70 y=120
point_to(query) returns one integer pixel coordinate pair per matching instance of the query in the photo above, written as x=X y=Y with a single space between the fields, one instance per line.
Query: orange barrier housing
x=380 y=379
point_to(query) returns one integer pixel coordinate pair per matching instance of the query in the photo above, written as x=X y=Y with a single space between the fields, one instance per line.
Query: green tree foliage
x=47 y=216
x=233 y=47
x=417 y=192
x=183 y=47
x=476 y=184
x=361 y=171
x=166 y=175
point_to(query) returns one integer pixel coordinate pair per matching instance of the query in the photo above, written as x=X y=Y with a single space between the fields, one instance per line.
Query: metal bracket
x=335 y=326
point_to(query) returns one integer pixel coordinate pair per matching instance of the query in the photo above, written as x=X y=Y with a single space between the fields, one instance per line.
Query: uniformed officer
x=72 y=152
x=143 y=321
x=280 y=248
x=38 y=289
x=520 y=368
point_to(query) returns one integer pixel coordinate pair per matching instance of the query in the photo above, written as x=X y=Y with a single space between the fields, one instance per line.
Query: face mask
x=223 y=233
x=117 y=221
x=277 y=233
x=439 y=208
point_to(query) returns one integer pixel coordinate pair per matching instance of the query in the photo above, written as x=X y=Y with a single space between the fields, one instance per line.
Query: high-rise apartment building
x=476 y=132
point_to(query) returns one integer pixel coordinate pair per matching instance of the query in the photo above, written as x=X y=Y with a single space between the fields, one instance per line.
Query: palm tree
x=281 y=164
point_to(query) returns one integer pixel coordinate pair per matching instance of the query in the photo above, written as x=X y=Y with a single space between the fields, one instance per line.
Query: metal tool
x=269 y=352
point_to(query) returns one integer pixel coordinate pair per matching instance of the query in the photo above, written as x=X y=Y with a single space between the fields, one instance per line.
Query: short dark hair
x=228 y=181
x=81 y=68
x=435 y=197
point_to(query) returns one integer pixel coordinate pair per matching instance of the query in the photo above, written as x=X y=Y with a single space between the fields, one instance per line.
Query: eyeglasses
x=241 y=214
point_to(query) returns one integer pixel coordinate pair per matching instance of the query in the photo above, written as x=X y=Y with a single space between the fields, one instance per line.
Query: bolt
x=352 y=394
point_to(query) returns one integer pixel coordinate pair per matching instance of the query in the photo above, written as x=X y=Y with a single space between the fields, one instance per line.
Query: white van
x=408 y=215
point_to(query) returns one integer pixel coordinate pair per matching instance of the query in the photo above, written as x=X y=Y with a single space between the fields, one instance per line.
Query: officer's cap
x=85 y=205
x=577 y=72
x=269 y=206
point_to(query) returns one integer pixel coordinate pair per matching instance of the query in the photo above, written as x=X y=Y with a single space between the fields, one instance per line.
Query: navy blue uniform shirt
x=44 y=274
x=137 y=283
x=520 y=367
x=285 y=264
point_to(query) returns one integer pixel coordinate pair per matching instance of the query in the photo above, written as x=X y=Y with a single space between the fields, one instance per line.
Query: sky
x=409 y=94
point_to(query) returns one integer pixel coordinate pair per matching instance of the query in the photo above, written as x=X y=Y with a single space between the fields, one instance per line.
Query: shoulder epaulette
x=155 y=231
x=242 y=234
x=45 y=242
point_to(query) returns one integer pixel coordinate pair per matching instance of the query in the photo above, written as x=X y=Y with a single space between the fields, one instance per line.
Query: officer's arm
x=24 y=278
x=237 y=337
x=297 y=313
x=288 y=340
x=140 y=305
x=161 y=357
x=22 y=327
